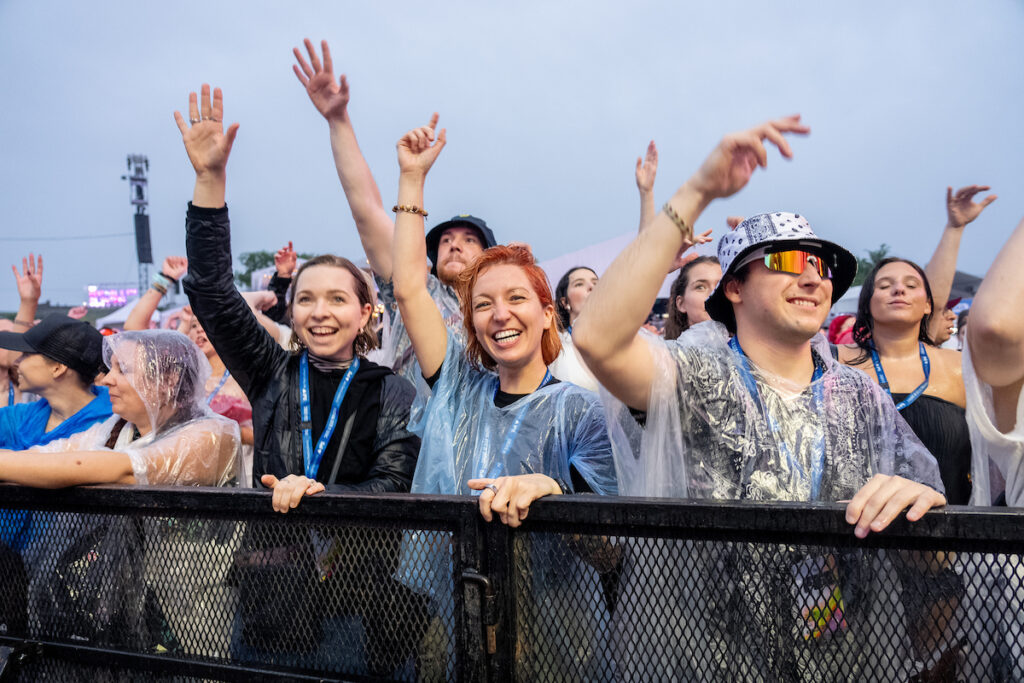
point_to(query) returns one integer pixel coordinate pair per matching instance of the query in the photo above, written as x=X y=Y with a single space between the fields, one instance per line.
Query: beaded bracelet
x=685 y=229
x=409 y=209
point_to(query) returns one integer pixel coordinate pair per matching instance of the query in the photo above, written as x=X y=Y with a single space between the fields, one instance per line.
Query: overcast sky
x=547 y=106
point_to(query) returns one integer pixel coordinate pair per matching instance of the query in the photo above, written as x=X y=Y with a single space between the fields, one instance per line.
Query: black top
x=380 y=454
x=942 y=428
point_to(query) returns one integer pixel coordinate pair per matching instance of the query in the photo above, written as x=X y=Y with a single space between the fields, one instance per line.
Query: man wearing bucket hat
x=751 y=405
x=451 y=245
x=60 y=358
x=756 y=385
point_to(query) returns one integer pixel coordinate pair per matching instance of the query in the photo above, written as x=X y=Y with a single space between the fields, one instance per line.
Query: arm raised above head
x=606 y=331
x=417 y=151
x=331 y=98
x=961 y=209
x=208 y=145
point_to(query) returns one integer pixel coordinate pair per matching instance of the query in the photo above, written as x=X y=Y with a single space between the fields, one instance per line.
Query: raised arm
x=646 y=171
x=330 y=97
x=417 y=151
x=961 y=209
x=996 y=329
x=174 y=267
x=248 y=351
x=606 y=331
x=29 y=281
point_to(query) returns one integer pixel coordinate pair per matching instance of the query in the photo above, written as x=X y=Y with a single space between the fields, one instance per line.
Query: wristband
x=173 y=281
x=685 y=229
x=412 y=208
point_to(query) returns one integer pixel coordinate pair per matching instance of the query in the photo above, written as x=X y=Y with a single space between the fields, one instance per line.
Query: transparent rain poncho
x=190 y=444
x=707 y=435
x=554 y=430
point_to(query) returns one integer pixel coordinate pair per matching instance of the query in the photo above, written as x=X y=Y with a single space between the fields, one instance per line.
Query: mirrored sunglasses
x=795 y=262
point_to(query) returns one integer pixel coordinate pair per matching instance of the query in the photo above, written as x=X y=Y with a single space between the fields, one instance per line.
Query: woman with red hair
x=498 y=423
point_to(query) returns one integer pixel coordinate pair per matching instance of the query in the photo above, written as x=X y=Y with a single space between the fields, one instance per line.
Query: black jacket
x=378 y=453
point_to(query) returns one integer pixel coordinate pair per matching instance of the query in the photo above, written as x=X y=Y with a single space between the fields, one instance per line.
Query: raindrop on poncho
x=189 y=444
x=554 y=430
x=741 y=610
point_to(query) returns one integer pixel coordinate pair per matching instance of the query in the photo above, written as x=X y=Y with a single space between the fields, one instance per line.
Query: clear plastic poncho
x=189 y=444
x=552 y=431
x=692 y=609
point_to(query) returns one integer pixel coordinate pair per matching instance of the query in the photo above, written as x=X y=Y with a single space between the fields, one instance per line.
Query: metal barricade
x=140 y=583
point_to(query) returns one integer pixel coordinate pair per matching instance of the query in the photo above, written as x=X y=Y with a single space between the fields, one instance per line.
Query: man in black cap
x=451 y=245
x=60 y=358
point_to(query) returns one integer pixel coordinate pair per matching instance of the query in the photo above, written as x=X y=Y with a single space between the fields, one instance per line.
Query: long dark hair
x=865 y=324
x=677 y=322
x=562 y=293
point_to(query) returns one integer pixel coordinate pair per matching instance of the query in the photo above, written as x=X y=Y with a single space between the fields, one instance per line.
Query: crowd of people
x=453 y=366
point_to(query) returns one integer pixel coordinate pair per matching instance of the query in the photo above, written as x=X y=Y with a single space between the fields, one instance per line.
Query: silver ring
x=493 y=488
x=194 y=121
x=210 y=118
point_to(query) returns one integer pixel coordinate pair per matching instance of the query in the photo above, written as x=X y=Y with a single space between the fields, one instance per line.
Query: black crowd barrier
x=134 y=583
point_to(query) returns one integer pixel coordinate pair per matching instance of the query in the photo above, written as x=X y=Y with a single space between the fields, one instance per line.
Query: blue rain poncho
x=552 y=431
x=23 y=425
x=693 y=610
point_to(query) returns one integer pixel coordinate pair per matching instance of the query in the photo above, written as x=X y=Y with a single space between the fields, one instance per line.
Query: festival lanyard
x=510 y=437
x=311 y=458
x=916 y=393
x=773 y=425
x=10 y=394
x=216 y=389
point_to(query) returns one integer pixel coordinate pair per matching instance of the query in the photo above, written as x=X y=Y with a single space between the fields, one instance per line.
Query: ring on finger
x=210 y=118
x=493 y=488
x=194 y=120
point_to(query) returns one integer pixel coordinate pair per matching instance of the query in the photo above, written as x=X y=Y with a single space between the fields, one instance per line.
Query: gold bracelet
x=409 y=209
x=685 y=229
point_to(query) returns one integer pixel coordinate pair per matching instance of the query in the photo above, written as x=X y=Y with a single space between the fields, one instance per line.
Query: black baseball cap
x=73 y=343
x=485 y=234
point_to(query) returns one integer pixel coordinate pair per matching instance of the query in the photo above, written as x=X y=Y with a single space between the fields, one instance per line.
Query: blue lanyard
x=773 y=425
x=311 y=458
x=510 y=437
x=10 y=393
x=216 y=389
x=884 y=383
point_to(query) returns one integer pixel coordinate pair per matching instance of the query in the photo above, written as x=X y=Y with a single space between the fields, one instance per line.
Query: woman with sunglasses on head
x=892 y=346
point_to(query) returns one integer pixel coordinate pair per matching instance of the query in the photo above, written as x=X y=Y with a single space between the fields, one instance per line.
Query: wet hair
x=562 y=293
x=522 y=257
x=865 y=325
x=676 y=323
x=367 y=337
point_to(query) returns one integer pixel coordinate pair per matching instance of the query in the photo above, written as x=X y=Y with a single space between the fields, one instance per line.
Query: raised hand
x=417 y=150
x=175 y=266
x=30 y=278
x=207 y=143
x=684 y=255
x=961 y=207
x=729 y=166
x=285 y=261
x=329 y=98
x=78 y=312
x=647 y=169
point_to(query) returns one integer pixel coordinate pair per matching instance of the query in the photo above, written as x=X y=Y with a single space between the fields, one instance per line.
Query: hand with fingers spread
x=961 y=207
x=647 y=169
x=207 y=143
x=285 y=261
x=418 y=149
x=288 y=492
x=329 y=97
x=685 y=255
x=30 y=278
x=729 y=166
x=882 y=499
x=510 y=497
x=175 y=266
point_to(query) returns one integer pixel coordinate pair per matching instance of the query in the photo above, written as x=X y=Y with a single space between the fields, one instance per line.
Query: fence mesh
x=658 y=609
